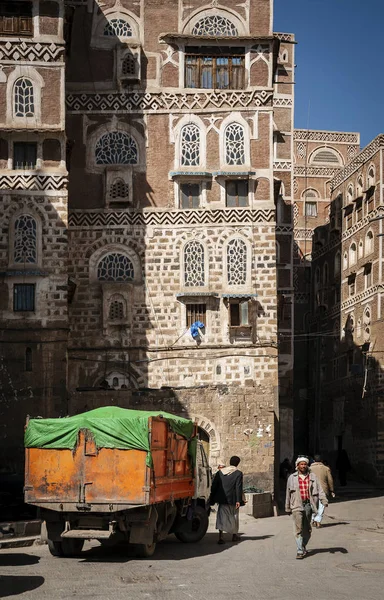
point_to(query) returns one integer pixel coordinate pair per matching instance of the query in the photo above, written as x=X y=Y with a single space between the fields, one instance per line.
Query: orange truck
x=113 y=475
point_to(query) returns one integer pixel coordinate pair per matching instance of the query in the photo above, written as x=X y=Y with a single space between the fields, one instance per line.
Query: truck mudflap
x=143 y=533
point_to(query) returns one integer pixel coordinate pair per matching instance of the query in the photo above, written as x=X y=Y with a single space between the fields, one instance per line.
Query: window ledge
x=196 y=293
x=239 y=295
x=172 y=37
x=189 y=174
x=232 y=174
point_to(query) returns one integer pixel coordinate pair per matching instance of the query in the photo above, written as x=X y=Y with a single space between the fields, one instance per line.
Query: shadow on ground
x=170 y=549
x=323 y=525
x=328 y=551
x=17 y=560
x=12 y=585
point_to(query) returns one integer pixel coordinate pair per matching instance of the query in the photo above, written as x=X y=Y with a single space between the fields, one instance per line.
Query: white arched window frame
x=224 y=19
x=124 y=132
x=359 y=186
x=352 y=254
x=96 y=262
x=350 y=194
x=360 y=249
x=326 y=156
x=112 y=27
x=325 y=274
x=345 y=261
x=25 y=240
x=369 y=242
x=238 y=259
x=234 y=129
x=194 y=264
x=188 y=124
x=371 y=177
x=13 y=117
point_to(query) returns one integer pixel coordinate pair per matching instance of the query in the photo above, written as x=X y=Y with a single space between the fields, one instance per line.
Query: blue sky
x=340 y=66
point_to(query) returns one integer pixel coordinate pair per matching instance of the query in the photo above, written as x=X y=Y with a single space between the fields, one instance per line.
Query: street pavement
x=346 y=562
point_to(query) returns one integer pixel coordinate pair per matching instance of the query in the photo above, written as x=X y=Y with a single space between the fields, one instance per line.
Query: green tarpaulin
x=111 y=426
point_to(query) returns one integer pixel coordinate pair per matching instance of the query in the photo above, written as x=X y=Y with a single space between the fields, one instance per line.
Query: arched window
x=24 y=102
x=25 y=240
x=194 y=269
x=361 y=249
x=345 y=260
x=350 y=194
x=234 y=144
x=119 y=28
x=115 y=267
x=371 y=176
x=359 y=186
x=215 y=26
x=116 y=310
x=237 y=262
x=190 y=145
x=337 y=263
x=352 y=254
x=369 y=242
x=326 y=156
x=116 y=148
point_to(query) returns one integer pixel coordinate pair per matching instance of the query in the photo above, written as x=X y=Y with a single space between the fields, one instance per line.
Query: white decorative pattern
x=116 y=148
x=360 y=159
x=237 y=262
x=118 y=27
x=24 y=98
x=215 y=26
x=326 y=136
x=300 y=150
x=25 y=240
x=164 y=101
x=234 y=144
x=282 y=165
x=33 y=182
x=194 y=264
x=190 y=145
x=115 y=267
x=316 y=171
x=282 y=102
x=31 y=52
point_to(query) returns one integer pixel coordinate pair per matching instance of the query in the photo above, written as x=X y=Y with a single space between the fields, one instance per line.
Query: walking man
x=227 y=492
x=302 y=499
x=325 y=478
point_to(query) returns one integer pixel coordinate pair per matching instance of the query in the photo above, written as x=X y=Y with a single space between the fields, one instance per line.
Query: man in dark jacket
x=227 y=492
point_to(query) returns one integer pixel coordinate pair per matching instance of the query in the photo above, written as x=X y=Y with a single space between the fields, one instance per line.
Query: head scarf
x=302 y=459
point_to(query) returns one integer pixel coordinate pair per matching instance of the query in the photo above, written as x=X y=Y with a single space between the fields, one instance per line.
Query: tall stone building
x=34 y=211
x=162 y=291
x=346 y=324
x=318 y=157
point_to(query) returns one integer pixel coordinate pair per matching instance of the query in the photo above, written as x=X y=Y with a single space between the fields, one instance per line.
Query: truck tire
x=197 y=527
x=66 y=548
x=145 y=550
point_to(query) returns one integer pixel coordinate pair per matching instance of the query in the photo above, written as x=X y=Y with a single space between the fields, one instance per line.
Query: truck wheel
x=145 y=550
x=196 y=528
x=66 y=548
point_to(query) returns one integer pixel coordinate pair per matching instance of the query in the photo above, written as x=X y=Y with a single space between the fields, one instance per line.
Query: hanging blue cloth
x=195 y=329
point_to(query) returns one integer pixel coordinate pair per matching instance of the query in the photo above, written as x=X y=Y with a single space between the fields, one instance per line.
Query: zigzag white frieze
x=169 y=218
x=156 y=101
x=33 y=182
x=31 y=52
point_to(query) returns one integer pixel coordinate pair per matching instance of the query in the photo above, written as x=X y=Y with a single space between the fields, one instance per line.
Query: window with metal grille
x=215 y=25
x=128 y=66
x=189 y=195
x=24 y=103
x=16 y=18
x=119 y=28
x=23 y=297
x=214 y=68
x=194 y=274
x=190 y=145
x=326 y=156
x=196 y=312
x=239 y=314
x=116 y=148
x=116 y=310
x=119 y=189
x=236 y=193
x=25 y=240
x=237 y=262
x=24 y=155
x=234 y=144
x=115 y=267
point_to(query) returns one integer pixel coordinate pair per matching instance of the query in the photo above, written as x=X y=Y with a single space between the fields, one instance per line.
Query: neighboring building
x=346 y=325
x=34 y=244
x=318 y=157
x=178 y=148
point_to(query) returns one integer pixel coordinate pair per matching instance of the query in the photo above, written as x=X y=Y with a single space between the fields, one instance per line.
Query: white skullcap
x=302 y=459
